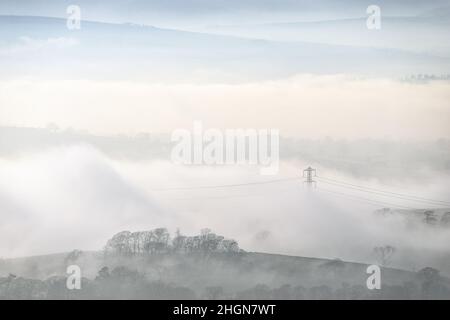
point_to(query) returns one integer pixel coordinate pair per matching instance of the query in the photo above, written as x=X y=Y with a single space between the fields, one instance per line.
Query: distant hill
x=429 y=30
x=44 y=46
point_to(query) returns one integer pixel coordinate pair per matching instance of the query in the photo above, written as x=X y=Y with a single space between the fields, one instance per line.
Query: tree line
x=158 y=241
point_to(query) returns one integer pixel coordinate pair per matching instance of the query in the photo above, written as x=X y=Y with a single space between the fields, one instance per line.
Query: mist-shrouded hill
x=200 y=267
x=45 y=47
x=426 y=33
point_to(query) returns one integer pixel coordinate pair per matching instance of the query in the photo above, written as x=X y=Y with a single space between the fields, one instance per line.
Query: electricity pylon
x=309 y=173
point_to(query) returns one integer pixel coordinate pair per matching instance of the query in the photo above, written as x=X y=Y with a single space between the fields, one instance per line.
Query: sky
x=332 y=78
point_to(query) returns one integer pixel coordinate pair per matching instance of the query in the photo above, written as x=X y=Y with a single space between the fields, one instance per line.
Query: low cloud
x=65 y=198
x=71 y=197
x=303 y=106
x=27 y=45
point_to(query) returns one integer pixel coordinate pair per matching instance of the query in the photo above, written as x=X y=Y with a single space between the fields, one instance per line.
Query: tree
x=384 y=254
x=73 y=256
x=157 y=241
x=103 y=273
x=211 y=242
x=431 y=282
x=230 y=246
x=430 y=217
x=119 y=243
x=161 y=238
x=445 y=220
x=428 y=274
x=179 y=242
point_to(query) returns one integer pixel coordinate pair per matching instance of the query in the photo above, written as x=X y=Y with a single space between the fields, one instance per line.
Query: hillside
x=232 y=274
x=245 y=275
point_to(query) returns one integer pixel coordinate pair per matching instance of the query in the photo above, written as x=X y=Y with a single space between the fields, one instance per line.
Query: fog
x=308 y=106
x=76 y=197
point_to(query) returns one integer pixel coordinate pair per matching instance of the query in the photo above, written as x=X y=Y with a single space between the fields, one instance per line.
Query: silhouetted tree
x=445 y=220
x=103 y=273
x=384 y=254
x=72 y=256
x=431 y=284
x=430 y=217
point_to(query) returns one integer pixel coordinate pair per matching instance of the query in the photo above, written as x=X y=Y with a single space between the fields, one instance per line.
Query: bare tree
x=430 y=217
x=384 y=254
x=445 y=220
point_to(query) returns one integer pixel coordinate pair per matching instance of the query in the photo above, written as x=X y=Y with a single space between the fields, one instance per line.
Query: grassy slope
x=232 y=272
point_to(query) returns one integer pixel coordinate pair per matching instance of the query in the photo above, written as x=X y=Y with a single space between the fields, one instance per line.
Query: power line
x=374 y=202
x=226 y=185
x=219 y=197
x=330 y=181
x=399 y=194
x=382 y=192
x=378 y=193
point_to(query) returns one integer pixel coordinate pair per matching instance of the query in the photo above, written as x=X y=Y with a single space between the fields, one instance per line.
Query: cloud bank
x=304 y=106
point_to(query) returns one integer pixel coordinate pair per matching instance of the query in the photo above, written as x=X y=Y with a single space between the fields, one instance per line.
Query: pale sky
x=303 y=106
